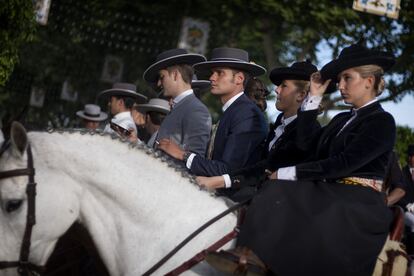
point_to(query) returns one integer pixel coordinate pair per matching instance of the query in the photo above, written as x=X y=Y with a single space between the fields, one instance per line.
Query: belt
x=366 y=182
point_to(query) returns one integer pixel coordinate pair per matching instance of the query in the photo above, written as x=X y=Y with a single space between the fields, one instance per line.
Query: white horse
x=136 y=207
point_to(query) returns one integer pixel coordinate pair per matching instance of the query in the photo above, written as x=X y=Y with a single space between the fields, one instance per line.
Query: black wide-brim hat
x=231 y=58
x=122 y=89
x=354 y=56
x=200 y=84
x=410 y=150
x=170 y=58
x=297 y=71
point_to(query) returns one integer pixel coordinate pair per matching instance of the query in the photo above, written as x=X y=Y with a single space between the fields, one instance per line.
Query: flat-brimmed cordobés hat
x=199 y=84
x=297 y=71
x=354 y=56
x=123 y=89
x=170 y=58
x=231 y=58
x=92 y=112
x=156 y=105
x=410 y=150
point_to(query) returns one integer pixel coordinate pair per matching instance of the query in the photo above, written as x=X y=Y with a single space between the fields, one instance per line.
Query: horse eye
x=13 y=205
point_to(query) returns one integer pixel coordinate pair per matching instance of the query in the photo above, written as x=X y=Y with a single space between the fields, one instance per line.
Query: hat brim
x=102 y=116
x=253 y=69
x=151 y=74
x=278 y=75
x=123 y=93
x=332 y=69
x=200 y=84
x=155 y=108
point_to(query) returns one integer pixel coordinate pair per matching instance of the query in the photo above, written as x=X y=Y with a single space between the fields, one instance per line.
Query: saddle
x=393 y=259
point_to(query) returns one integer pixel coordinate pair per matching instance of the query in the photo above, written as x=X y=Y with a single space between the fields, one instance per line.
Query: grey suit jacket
x=188 y=124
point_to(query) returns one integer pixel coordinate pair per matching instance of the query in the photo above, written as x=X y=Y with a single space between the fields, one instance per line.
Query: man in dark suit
x=242 y=128
x=281 y=147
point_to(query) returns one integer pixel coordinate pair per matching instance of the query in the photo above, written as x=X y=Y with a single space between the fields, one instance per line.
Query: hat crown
x=171 y=53
x=410 y=150
x=234 y=54
x=92 y=109
x=306 y=66
x=125 y=86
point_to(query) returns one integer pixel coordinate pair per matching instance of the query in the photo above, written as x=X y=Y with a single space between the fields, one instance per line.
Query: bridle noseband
x=24 y=267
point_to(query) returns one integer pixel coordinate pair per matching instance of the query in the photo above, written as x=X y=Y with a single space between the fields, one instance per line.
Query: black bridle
x=24 y=267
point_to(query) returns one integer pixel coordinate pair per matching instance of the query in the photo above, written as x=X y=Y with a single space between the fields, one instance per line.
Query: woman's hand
x=317 y=87
x=210 y=183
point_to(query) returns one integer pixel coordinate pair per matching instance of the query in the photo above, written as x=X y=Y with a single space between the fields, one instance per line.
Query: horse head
x=27 y=240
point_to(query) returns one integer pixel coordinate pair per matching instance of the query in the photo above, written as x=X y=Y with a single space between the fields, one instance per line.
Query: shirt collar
x=286 y=121
x=232 y=100
x=368 y=103
x=121 y=115
x=180 y=97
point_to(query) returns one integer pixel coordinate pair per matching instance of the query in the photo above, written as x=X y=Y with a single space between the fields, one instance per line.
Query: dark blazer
x=409 y=188
x=238 y=142
x=285 y=152
x=362 y=149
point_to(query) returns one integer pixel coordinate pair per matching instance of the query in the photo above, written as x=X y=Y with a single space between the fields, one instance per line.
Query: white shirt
x=289 y=173
x=180 y=97
x=124 y=119
x=231 y=101
x=1 y=137
x=281 y=128
x=224 y=108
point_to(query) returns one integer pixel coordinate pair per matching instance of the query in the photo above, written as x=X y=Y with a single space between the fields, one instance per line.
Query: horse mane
x=140 y=146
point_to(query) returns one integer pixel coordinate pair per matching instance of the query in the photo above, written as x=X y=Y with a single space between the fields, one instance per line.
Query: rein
x=193 y=235
x=24 y=267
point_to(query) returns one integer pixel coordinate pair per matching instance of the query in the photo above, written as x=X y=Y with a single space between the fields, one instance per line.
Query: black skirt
x=316 y=228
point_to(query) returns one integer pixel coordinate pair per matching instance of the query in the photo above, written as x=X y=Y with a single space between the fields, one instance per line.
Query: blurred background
x=56 y=56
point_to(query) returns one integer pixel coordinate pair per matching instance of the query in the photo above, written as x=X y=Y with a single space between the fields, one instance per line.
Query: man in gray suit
x=189 y=122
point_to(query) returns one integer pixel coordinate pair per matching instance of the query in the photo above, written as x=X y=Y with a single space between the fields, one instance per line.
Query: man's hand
x=273 y=175
x=210 y=183
x=317 y=87
x=410 y=207
x=133 y=138
x=171 y=148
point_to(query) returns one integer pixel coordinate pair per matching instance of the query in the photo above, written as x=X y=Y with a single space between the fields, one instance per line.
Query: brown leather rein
x=24 y=267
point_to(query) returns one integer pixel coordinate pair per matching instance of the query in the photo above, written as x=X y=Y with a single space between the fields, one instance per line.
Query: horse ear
x=18 y=138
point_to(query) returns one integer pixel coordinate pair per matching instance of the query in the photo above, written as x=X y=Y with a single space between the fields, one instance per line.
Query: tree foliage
x=275 y=32
x=405 y=137
x=17 y=21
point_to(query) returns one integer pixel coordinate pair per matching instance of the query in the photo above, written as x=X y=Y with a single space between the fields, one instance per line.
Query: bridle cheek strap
x=24 y=267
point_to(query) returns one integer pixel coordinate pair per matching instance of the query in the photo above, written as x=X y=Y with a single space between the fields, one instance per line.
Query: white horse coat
x=135 y=207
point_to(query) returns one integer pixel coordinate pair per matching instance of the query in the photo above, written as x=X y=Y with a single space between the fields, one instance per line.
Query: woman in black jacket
x=327 y=216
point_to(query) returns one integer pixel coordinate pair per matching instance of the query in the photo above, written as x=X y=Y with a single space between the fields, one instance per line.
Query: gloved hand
x=410 y=207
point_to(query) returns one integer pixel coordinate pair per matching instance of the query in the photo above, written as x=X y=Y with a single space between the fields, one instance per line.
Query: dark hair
x=185 y=70
x=156 y=117
x=128 y=101
x=246 y=75
x=256 y=90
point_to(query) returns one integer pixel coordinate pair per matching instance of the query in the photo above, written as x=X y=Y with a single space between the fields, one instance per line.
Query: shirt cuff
x=190 y=160
x=227 y=180
x=311 y=103
x=287 y=173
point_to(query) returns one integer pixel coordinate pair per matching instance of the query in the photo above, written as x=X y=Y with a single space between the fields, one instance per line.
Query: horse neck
x=128 y=200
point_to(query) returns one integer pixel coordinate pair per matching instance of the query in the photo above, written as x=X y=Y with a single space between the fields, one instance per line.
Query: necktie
x=278 y=132
x=211 y=143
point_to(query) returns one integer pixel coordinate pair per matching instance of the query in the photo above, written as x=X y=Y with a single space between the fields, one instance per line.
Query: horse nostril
x=13 y=205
